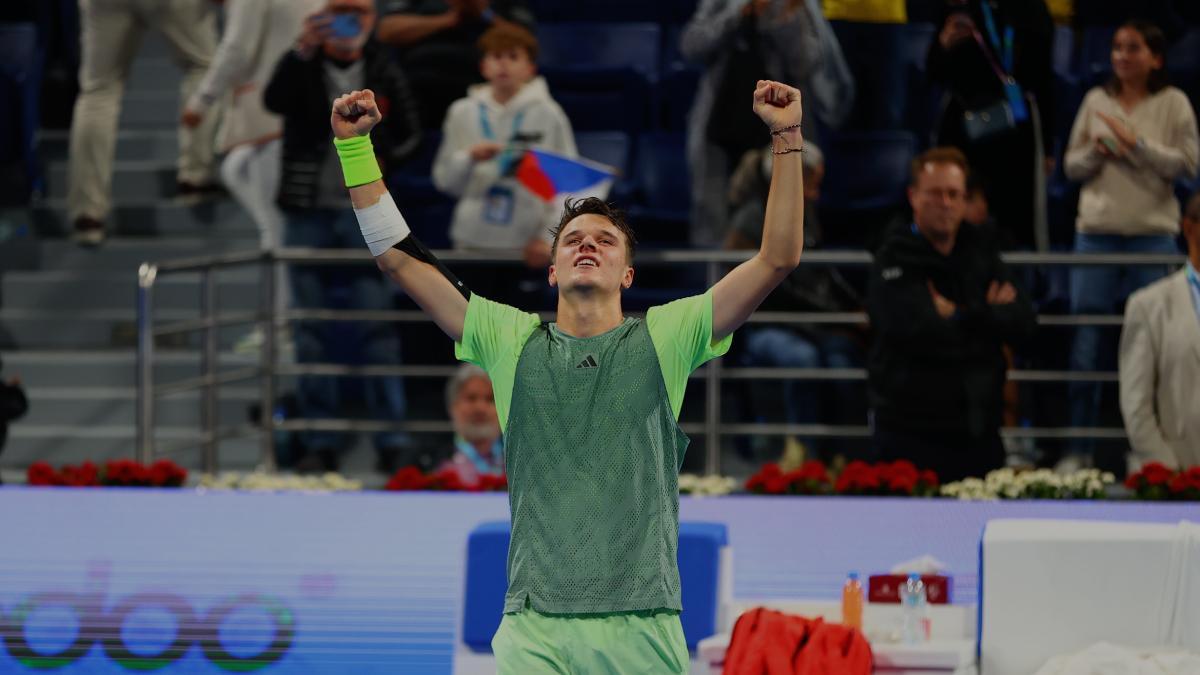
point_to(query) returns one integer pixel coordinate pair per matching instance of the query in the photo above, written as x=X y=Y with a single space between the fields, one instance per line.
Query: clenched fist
x=354 y=114
x=777 y=104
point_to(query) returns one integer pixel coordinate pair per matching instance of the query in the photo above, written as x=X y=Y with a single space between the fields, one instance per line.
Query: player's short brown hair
x=573 y=208
x=508 y=36
x=939 y=155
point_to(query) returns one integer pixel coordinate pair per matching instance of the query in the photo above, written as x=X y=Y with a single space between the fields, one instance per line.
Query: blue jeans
x=1104 y=290
x=20 y=90
x=359 y=287
x=811 y=401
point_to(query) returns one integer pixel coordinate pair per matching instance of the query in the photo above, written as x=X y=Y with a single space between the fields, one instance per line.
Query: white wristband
x=382 y=225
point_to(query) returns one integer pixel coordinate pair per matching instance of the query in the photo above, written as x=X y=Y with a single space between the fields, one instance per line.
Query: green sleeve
x=682 y=335
x=493 y=337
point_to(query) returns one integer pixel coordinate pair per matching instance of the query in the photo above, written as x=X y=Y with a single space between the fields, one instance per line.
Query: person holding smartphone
x=993 y=61
x=334 y=53
x=1132 y=139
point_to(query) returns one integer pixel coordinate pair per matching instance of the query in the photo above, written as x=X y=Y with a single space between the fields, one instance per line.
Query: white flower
x=267 y=482
x=703 y=486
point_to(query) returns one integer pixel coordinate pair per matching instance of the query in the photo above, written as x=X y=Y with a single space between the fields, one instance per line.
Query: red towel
x=768 y=642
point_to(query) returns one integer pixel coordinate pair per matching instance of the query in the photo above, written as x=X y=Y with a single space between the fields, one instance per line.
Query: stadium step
x=71 y=443
x=70 y=290
x=108 y=368
x=154 y=216
x=132 y=145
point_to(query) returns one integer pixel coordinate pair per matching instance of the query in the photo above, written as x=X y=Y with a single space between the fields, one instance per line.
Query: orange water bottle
x=852 y=602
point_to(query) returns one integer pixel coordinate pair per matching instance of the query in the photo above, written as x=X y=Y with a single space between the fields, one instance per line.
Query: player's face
x=591 y=255
x=474 y=410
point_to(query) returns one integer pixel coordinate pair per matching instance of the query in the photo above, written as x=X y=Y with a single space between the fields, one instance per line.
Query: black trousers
x=953 y=455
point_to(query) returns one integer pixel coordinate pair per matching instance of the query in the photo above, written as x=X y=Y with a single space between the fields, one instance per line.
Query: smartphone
x=345 y=26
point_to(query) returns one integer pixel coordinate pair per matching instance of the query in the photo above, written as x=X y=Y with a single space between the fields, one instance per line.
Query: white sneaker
x=1072 y=462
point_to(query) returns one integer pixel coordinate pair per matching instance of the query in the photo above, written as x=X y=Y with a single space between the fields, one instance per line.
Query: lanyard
x=486 y=126
x=482 y=465
x=1005 y=49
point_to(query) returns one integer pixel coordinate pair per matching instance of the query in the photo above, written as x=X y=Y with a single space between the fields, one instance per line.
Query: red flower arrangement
x=1152 y=482
x=1185 y=486
x=810 y=479
x=122 y=473
x=899 y=478
x=446 y=480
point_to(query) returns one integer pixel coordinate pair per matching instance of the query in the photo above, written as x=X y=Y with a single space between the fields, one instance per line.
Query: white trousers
x=251 y=174
x=112 y=31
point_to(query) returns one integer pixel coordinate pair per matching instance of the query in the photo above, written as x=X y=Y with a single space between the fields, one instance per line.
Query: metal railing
x=209 y=321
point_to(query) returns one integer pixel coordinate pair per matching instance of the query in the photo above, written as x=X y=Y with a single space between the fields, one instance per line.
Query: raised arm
x=745 y=287
x=397 y=252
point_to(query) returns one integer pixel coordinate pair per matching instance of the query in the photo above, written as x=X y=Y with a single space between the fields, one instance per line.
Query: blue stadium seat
x=660 y=172
x=1068 y=96
x=617 y=45
x=1063 y=59
x=700 y=557
x=597 y=10
x=867 y=170
x=675 y=95
x=1185 y=53
x=607 y=147
x=601 y=99
x=1095 y=51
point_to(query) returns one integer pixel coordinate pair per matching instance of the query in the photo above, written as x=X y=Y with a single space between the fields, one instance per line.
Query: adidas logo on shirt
x=589 y=362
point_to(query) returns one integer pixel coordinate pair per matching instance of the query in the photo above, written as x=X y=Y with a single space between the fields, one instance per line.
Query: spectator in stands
x=13 y=405
x=994 y=61
x=738 y=42
x=478 y=446
x=436 y=41
x=942 y=305
x=807 y=289
x=1160 y=361
x=317 y=214
x=481 y=139
x=257 y=34
x=112 y=30
x=1131 y=140
x=19 y=91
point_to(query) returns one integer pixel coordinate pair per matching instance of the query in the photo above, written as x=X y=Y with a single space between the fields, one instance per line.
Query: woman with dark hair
x=1131 y=140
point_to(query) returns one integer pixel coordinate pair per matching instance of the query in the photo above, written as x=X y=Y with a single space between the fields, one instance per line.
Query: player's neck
x=588 y=315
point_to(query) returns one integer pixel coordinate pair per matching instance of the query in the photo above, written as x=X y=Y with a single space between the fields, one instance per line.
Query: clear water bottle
x=914 y=611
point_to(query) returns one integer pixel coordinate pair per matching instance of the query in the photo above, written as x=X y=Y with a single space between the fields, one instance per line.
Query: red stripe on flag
x=530 y=173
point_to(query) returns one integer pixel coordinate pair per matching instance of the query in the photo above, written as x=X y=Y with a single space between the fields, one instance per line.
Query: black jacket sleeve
x=283 y=93
x=13 y=403
x=400 y=134
x=902 y=313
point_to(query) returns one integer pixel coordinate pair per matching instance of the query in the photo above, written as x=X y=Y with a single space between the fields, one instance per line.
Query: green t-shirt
x=494 y=334
x=593 y=451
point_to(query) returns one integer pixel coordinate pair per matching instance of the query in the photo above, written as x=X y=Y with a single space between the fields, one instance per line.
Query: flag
x=553 y=177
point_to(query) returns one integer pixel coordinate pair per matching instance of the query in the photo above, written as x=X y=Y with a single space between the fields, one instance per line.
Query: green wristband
x=359 y=165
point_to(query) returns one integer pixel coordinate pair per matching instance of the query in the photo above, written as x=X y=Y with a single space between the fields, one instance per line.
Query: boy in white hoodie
x=484 y=133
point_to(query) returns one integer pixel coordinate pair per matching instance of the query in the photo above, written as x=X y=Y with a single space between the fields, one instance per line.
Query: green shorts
x=528 y=643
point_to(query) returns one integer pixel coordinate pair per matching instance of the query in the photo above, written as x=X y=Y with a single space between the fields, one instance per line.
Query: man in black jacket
x=12 y=405
x=334 y=55
x=942 y=305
